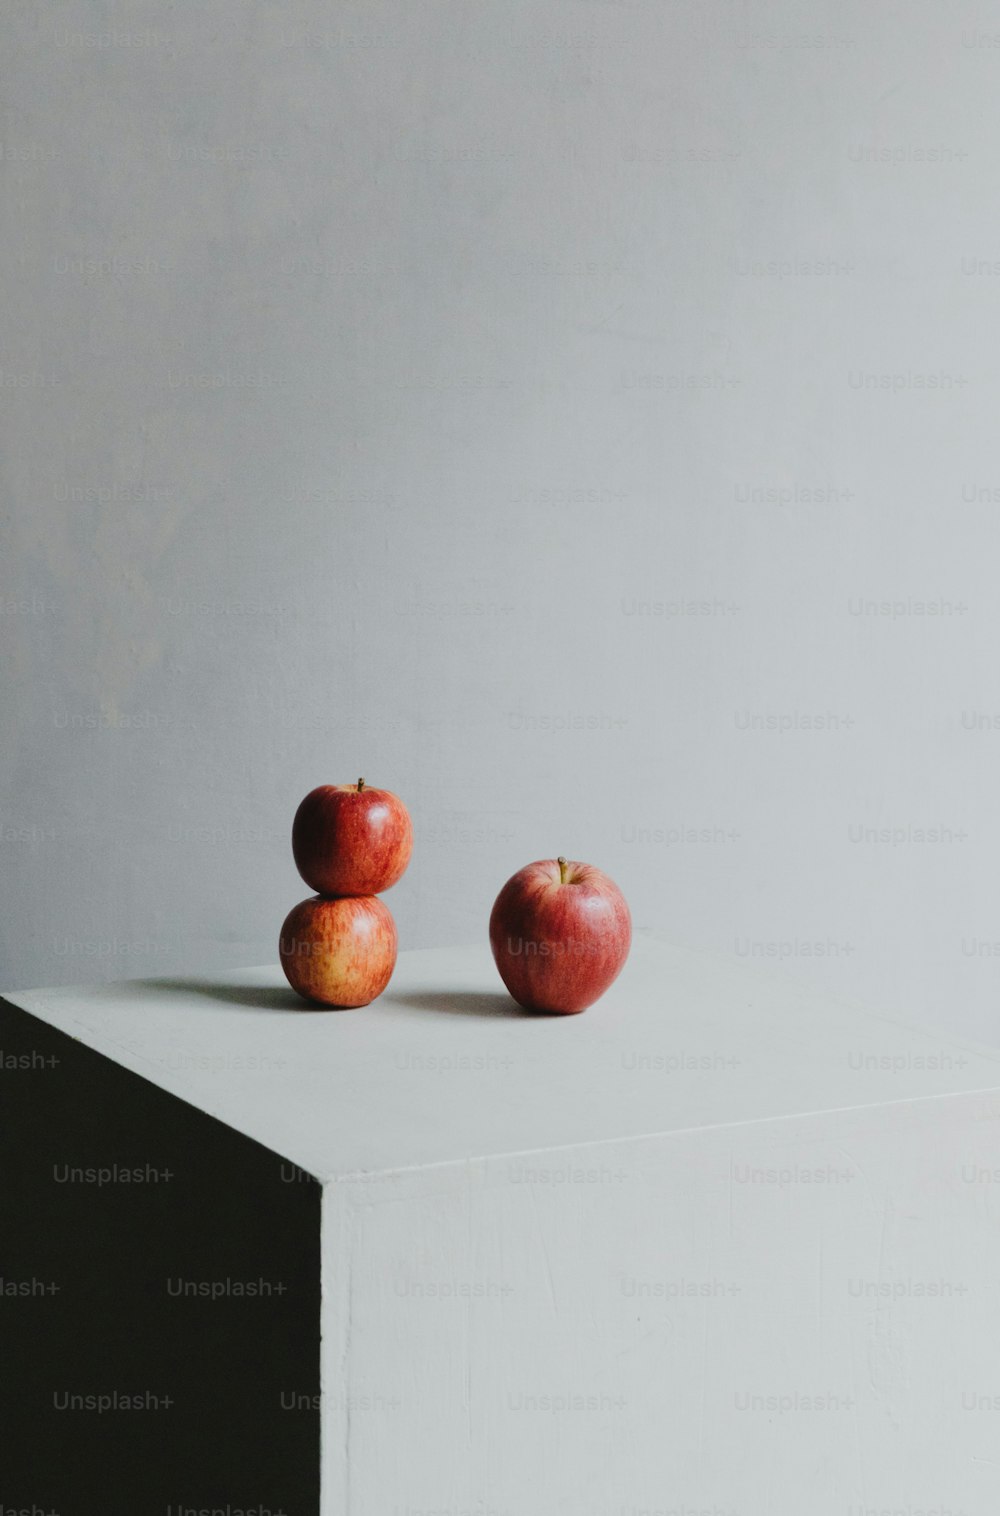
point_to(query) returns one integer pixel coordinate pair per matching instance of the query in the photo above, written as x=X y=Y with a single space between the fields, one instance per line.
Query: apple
x=340 y=952
x=348 y=839
x=560 y=933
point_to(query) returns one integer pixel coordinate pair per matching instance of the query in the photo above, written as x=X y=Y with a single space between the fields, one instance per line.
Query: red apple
x=560 y=933
x=340 y=952
x=350 y=840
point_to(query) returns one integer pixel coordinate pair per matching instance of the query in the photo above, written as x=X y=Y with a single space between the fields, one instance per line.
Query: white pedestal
x=718 y=1244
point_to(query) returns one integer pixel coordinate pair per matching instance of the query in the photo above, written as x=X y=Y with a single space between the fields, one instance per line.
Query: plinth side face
x=659 y=1325
x=159 y=1297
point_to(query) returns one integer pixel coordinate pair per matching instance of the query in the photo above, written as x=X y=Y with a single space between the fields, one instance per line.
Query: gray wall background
x=578 y=417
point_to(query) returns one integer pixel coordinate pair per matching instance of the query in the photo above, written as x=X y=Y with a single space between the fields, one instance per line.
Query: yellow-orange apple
x=339 y=952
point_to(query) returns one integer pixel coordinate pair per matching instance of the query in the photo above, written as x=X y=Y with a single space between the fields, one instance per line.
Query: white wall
x=367 y=371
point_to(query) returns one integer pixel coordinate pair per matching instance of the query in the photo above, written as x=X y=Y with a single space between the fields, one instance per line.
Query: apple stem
x=361 y=785
x=562 y=870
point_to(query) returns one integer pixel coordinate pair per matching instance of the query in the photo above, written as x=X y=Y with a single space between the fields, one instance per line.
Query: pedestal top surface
x=444 y=1067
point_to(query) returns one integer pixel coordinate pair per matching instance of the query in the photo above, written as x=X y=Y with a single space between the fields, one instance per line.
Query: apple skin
x=339 y=952
x=351 y=840
x=560 y=933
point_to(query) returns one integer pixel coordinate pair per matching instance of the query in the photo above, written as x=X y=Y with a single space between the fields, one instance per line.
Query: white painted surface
x=564 y=1273
x=465 y=396
x=444 y=1067
x=689 y=1328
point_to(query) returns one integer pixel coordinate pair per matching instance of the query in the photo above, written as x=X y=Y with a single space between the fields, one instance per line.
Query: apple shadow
x=486 y=1003
x=489 y=1004
x=252 y=997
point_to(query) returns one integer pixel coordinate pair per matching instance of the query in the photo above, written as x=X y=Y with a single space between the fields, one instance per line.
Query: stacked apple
x=350 y=843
